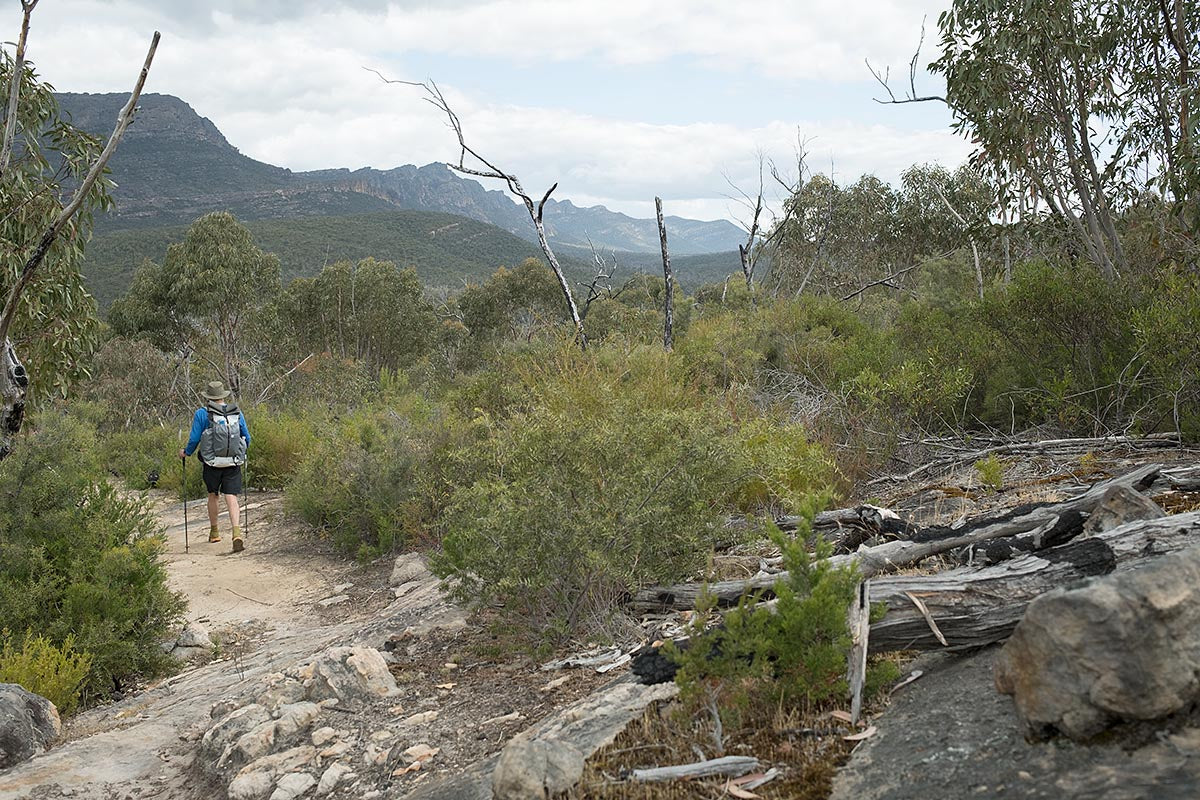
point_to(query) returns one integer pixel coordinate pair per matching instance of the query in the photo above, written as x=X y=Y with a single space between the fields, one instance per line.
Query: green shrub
x=380 y=477
x=279 y=441
x=134 y=455
x=990 y=471
x=794 y=654
x=77 y=559
x=55 y=672
x=617 y=474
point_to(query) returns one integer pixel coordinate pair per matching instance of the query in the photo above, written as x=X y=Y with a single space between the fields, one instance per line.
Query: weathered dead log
x=727 y=765
x=1154 y=440
x=1045 y=520
x=975 y=607
x=847 y=528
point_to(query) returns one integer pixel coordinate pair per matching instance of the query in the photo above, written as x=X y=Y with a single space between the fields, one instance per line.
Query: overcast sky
x=616 y=100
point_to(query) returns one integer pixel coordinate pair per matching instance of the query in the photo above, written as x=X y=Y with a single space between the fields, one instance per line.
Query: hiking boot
x=239 y=543
x=214 y=536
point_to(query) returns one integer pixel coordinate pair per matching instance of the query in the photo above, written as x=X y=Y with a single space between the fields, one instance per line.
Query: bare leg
x=213 y=534
x=239 y=542
x=231 y=500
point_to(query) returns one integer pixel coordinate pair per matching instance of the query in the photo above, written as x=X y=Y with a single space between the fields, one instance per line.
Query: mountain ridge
x=175 y=165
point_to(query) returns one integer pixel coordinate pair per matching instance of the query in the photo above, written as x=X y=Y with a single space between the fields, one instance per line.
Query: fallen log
x=727 y=765
x=1153 y=440
x=847 y=528
x=976 y=607
x=1046 y=520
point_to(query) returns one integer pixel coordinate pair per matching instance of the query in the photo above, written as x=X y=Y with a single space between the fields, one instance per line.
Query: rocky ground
x=312 y=676
x=308 y=675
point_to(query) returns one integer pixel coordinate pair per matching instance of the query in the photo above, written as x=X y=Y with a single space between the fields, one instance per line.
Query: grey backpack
x=221 y=444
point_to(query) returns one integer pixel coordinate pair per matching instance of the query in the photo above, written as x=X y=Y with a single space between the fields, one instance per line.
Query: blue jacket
x=200 y=422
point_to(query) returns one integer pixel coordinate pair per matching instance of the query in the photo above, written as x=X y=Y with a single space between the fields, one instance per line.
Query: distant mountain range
x=174 y=165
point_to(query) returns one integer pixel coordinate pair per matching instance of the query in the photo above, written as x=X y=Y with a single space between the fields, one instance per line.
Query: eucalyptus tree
x=51 y=182
x=1080 y=103
x=208 y=289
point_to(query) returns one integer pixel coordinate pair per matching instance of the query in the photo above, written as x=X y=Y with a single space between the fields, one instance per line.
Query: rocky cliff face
x=160 y=116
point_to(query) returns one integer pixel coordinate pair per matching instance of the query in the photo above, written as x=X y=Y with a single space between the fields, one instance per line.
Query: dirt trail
x=260 y=607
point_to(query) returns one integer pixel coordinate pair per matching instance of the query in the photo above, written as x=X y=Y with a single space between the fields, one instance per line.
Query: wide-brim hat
x=215 y=390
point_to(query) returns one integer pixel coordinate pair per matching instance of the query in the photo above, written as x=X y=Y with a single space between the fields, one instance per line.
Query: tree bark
x=976 y=607
x=668 y=278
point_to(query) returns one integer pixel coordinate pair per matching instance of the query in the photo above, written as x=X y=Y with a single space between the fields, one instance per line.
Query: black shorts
x=227 y=480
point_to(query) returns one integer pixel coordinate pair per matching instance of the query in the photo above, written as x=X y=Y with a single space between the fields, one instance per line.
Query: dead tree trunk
x=668 y=279
x=438 y=100
x=1047 y=520
x=13 y=378
x=975 y=607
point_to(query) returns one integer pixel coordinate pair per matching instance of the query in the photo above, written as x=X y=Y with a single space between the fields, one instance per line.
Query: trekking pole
x=183 y=494
x=245 y=504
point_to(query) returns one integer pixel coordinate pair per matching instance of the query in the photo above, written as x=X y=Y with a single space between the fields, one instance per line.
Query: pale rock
x=253 y=786
x=28 y=724
x=323 y=736
x=255 y=780
x=419 y=718
x=381 y=736
x=292 y=786
x=280 y=692
x=219 y=739
x=191 y=654
x=336 y=600
x=335 y=750
x=1122 y=647
x=347 y=673
x=532 y=768
x=252 y=745
x=194 y=635
x=331 y=777
x=294 y=718
x=342 y=587
x=409 y=567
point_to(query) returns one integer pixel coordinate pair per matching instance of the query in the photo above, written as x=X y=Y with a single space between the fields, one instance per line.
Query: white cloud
x=285 y=83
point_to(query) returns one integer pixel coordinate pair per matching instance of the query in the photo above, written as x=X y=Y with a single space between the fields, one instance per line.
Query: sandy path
x=261 y=604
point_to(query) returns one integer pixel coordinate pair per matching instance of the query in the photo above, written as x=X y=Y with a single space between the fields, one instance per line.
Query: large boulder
x=536 y=768
x=1122 y=647
x=28 y=724
x=347 y=673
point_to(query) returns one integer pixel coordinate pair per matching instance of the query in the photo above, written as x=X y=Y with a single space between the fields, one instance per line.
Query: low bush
x=378 y=478
x=55 y=672
x=793 y=655
x=279 y=441
x=616 y=475
x=78 y=560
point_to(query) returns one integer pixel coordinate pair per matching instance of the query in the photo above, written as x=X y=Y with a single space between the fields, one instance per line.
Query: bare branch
x=14 y=89
x=884 y=80
x=434 y=95
x=884 y=281
x=77 y=200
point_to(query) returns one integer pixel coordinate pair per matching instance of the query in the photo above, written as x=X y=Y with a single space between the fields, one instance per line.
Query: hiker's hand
x=182 y=455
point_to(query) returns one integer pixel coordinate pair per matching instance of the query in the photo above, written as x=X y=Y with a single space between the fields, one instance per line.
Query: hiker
x=222 y=453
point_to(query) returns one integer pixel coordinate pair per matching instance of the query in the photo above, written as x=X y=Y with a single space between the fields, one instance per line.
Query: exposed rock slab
x=586 y=726
x=951 y=734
